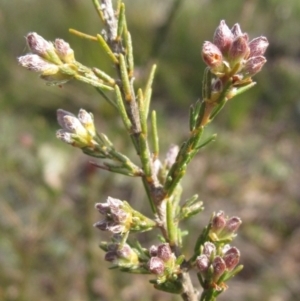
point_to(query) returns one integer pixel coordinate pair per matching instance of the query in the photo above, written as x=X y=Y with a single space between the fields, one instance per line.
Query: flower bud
x=202 y=263
x=38 y=45
x=253 y=65
x=117 y=216
x=223 y=37
x=209 y=248
x=72 y=139
x=239 y=48
x=73 y=125
x=64 y=51
x=60 y=114
x=211 y=55
x=218 y=222
x=232 y=224
x=219 y=267
x=74 y=131
x=227 y=56
x=258 y=46
x=87 y=120
x=65 y=137
x=35 y=63
x=223 y=228
x=164 y=252
x=122 y=256
x=156 y=265
x=231 y=258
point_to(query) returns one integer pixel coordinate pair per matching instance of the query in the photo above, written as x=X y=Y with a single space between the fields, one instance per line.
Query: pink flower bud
x=38 y=44
x=35 y=63
x=73 y=125
x=218 y=222
x=219 y=267
x=60 y=114
x=239 y=48
x=87 y=121
x=253 y=65
x=233 y=224
x=164 y=252
x=223 y=37
x=202 y=263
x=64 y=51
x=231 y=258
x=80 y=132
x=211 y=55
x=156 y=265
x=209 y=248
x=258 y=46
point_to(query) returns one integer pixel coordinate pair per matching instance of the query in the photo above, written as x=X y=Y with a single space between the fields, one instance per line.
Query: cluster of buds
x=121 y=218
x=78 y=131
x=120 y=255
x=217 y=265
x=53 y=61
x=222 y=228
x=163 y=263
x=231 y=55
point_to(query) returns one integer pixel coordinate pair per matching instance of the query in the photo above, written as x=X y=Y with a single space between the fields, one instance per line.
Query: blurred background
x=48 y=246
